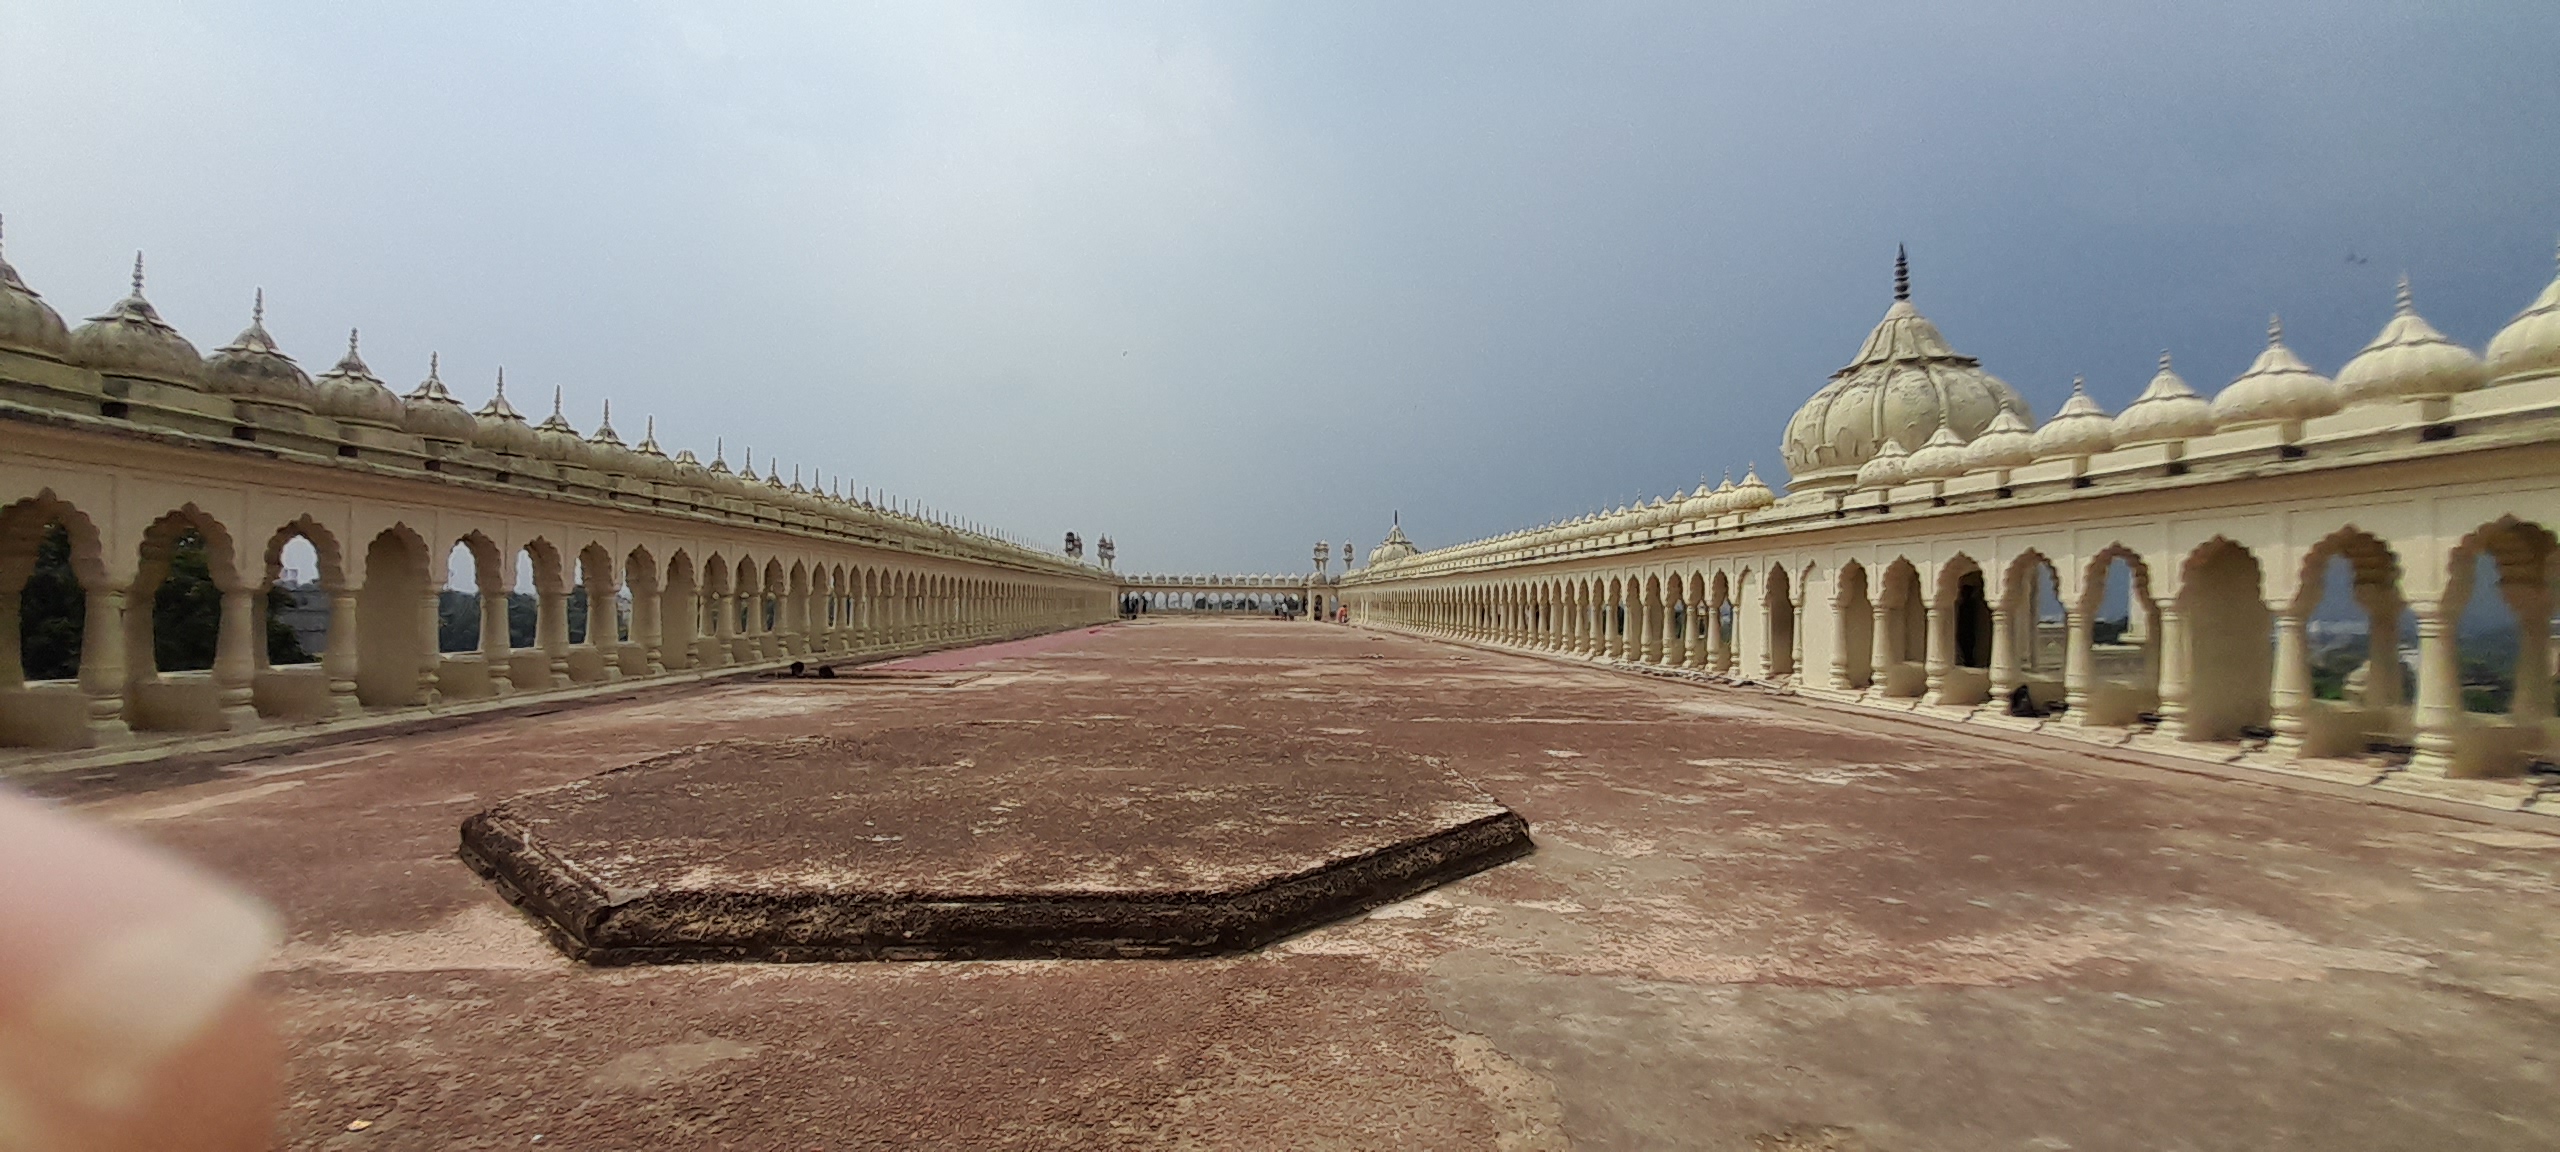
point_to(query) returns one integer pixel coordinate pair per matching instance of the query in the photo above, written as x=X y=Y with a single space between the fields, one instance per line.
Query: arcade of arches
x=2351 y=577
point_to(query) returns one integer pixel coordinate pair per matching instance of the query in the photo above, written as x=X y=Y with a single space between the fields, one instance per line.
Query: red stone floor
x=1750 y=924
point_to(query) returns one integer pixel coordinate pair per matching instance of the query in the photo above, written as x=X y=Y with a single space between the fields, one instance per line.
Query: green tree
x=52 y=610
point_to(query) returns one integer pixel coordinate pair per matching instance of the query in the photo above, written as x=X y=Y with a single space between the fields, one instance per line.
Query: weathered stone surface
x=981 y=841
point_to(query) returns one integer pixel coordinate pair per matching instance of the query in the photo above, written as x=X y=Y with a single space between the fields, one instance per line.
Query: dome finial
x=2403 y=305
x=432 y=357
x=351 y=343
x=2079 y=387
x=258 y=308
x=2275 y=329
x=1901 y=273
x=555 y=400
x=2164 y=359
x=608 y=414
x=502 y=382
x=719 y=451
x=650 y=429
x=137 y=272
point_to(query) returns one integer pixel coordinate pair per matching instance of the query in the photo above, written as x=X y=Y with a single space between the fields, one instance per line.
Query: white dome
x=607 y=452
x=2530 y=344
x=1940 y=459
x=2410 y=360
x=2278 y=386
x=130 y=339
x=352 y=394
x=1904 y=384
x=1753 y=493
x=252 y=368
x=433 y=414
x=2007 y=443
x=2081 y=428
x=2167 y=410
x=1700 y=504
x=499 y=427
x=556 y=440
x=27 y=323
x=1886 y=468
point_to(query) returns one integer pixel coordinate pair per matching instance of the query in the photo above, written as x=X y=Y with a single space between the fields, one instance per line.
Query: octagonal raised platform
x=981 y=841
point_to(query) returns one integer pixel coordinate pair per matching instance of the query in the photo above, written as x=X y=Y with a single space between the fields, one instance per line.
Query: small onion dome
x=2081 y=428
x=1660 y=512
x=1888 y=467
x=27 y=323
x=2530 y=344
x=651 y=461
x=1941 y=458
x=2410 y=360
x=350 y=393
x=251 y=367
x=433 y=414
x=688 y=469
x=1724 y=494
x=773 y=476
x=2167 y=410
x=557 y=441
x=2007 y=443
x=130 y=339
x=500 y=428
x=1700 y=504
x=606 y=451
x=1753 y=493
x=1905 y=381
x=2277 y=386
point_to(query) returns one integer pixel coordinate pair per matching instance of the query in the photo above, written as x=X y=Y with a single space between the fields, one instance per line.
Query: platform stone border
x=589 y=923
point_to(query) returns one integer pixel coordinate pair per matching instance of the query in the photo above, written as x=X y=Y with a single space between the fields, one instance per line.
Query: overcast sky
x=1221 y=280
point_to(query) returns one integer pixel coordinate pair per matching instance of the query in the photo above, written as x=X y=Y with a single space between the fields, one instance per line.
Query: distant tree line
x=186 y=613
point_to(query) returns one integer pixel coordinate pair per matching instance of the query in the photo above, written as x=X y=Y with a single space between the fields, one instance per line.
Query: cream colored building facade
x=1929 y=522
x=121 y=434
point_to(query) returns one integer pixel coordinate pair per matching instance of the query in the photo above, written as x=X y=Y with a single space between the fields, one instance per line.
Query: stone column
x=649 y=629
x=1883 y=651
x=1642 y=621
x=2383 y=686
x=235 y=661
x=1942 y=651
x=723 y=607
x=2173 y=672
x=430 y=649
x=2530 y=708
x=2289 y=696
x=495 y=644
x=1675 y=634
x=2439 y=715
x=2005 y=676
x=102 y=668
x=2079 y=664
x=551 y=632
x=338 y=660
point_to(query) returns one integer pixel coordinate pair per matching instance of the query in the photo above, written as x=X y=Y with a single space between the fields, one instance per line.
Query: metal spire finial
x=650 y=430
x=2164 y=359
x=555 y=397
x=1901 y=273
x=258 y=308
x=2275 y=329
x=137 y=272
x=351 y=343
x=502 y=382
x=431 y=365
x=2404 y=305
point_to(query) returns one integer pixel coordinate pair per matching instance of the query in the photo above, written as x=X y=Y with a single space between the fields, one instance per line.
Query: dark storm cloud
x=1220 y=281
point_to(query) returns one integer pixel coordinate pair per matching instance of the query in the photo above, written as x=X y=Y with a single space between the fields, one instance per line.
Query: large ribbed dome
x=1394 y=547
x=252 y=368
x=2530 y=344
x=27 y=323
x=1905 y=383
x=130 y=339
